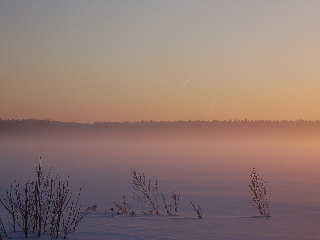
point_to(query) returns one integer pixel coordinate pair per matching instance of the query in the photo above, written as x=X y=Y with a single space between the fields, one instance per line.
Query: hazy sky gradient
x=90 y=61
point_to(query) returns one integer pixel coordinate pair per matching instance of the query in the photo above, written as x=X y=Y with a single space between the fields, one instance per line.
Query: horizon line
x=166 y=121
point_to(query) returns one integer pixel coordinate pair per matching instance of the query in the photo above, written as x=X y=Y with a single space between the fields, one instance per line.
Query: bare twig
x=197 y=210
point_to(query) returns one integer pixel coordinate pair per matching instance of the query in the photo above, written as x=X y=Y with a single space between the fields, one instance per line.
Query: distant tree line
x=34 y=124
x=166 y=128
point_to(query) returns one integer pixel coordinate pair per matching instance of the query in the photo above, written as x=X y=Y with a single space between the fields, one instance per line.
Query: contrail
x=213 y=105
x=185 y=82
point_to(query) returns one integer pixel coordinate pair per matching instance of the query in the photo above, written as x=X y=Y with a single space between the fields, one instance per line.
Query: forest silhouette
x=300 y=130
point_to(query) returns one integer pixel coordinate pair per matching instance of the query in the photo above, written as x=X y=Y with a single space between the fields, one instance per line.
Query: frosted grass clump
x=259 y=194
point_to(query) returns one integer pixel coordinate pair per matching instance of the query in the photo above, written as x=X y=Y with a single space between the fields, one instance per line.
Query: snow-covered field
x=214 y=175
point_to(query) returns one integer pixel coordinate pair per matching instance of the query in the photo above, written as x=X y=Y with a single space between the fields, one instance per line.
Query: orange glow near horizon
x=108 y=61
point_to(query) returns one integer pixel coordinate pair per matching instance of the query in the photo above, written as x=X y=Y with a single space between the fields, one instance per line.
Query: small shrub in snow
x=172 y=209
x=123 y=207
x=259 y=194
x=145 y=192
x=44 y=205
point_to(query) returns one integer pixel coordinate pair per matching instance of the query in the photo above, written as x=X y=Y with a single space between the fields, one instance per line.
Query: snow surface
x=213 y=175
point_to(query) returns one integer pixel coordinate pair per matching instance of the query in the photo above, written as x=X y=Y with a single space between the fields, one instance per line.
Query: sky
x=90 y=61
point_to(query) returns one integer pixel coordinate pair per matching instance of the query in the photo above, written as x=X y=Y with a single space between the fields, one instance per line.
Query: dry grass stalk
x=145 y=192
x=111 y=211
x=172 y=209
x=197 y=210
x=259 y=194
x=123 y=207
x=2 y=230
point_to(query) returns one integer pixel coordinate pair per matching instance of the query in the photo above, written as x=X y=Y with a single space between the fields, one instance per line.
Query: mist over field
x=214 y=174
